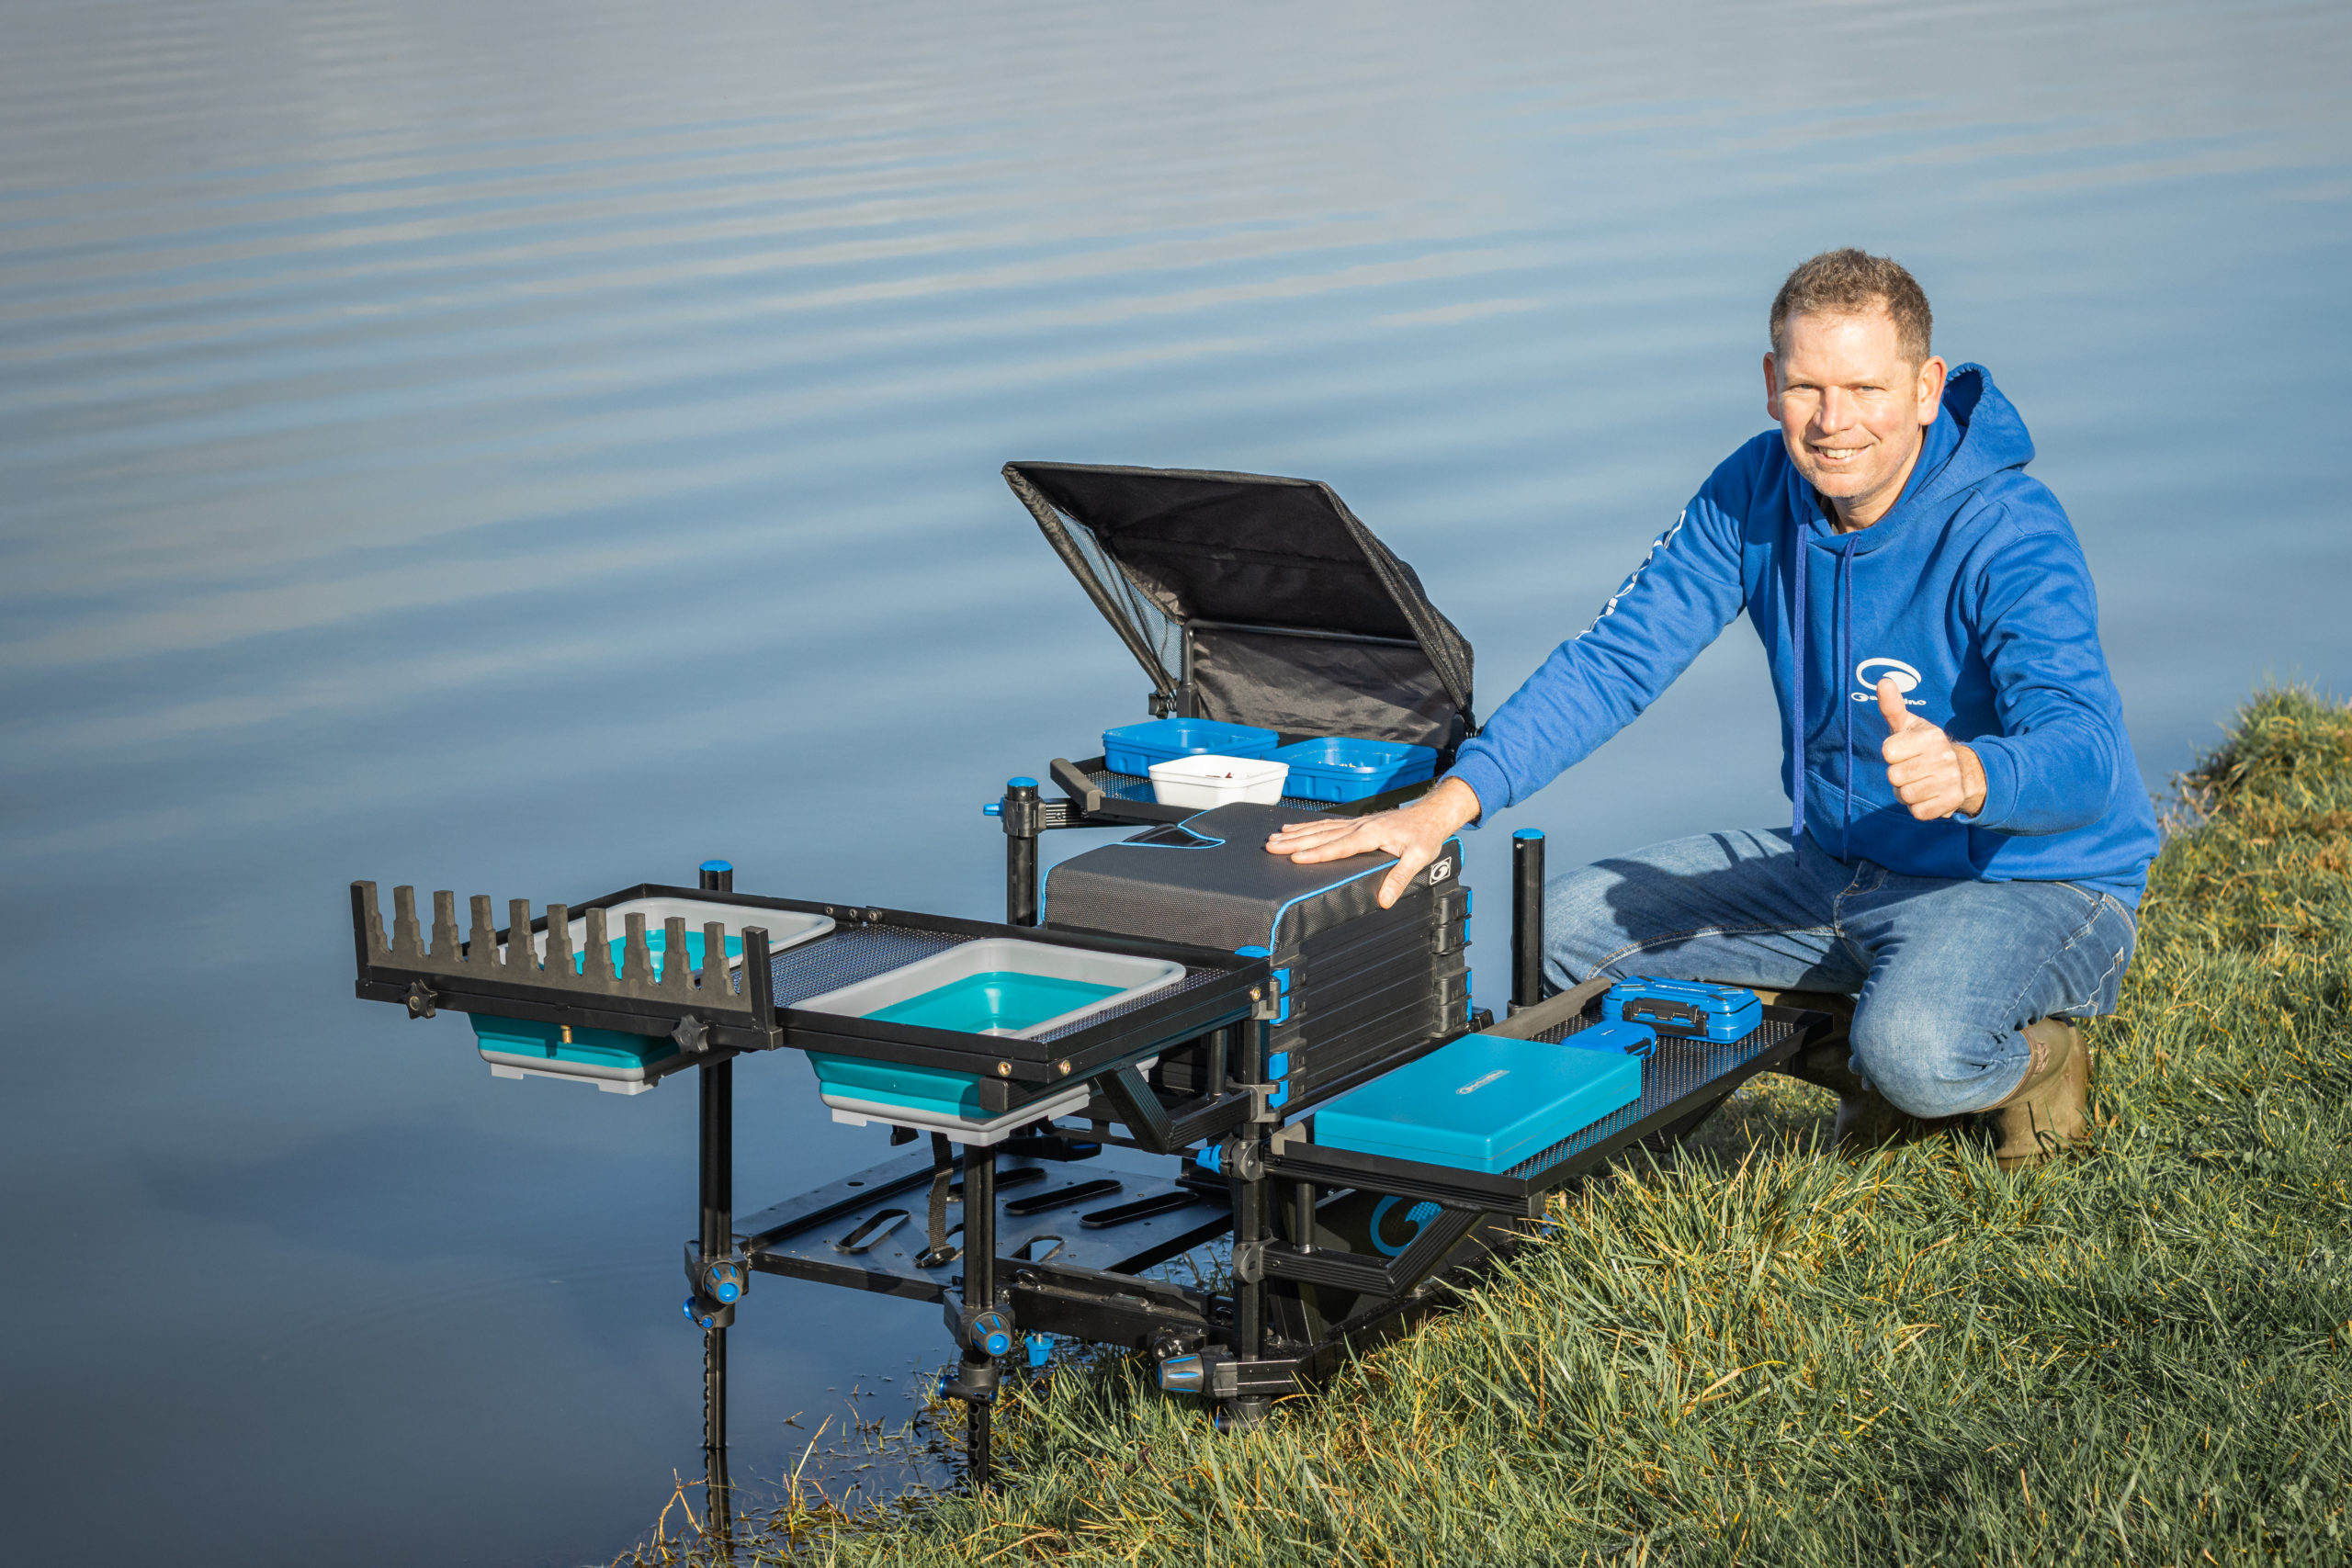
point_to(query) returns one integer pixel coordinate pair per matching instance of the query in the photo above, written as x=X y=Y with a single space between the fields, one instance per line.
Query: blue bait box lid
x=1614 y=1034
x=1483 y=1103
x=1338 y=768
x=1690 y=1008
x=1134 y=748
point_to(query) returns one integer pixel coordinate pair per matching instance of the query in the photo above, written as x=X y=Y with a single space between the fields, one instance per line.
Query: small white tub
x=1210 y=781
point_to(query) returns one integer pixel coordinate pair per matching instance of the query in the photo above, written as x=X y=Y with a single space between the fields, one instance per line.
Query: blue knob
x=717 y=866
x=1211 y=1158
x=997 y=1343
x=993 y=808
x=1024 y=781
x=1529 y=833
x=728 y=1291
x=1041 y=1348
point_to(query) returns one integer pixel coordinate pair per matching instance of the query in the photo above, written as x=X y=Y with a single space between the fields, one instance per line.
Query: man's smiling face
x=1851 y=408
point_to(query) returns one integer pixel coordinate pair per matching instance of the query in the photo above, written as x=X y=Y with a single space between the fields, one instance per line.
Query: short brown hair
x=1849 y=283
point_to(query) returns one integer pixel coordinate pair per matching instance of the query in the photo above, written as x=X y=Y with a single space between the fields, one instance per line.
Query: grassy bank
x=1761 y=1353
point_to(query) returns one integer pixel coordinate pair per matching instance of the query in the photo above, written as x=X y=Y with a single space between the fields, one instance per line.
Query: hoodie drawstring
x=1845 y=591
x=1846 y=662
x=1797 y=685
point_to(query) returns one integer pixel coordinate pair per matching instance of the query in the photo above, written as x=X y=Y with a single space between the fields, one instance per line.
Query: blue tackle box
x=1336 y=767
x=1692 y=1007
x=1483 y=1103
x=1134 y=748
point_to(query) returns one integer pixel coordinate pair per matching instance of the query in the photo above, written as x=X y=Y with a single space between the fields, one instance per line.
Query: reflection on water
x=531 y=451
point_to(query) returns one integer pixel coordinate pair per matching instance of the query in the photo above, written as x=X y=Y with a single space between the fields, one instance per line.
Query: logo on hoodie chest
x=1870 y=672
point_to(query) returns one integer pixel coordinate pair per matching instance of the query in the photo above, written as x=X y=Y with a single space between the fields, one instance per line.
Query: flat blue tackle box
x=1483 y=1103
x=1134 y=748
x=1337 y=768
x=1690 y=1008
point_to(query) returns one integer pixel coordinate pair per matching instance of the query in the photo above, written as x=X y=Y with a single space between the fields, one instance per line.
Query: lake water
x=529 y=449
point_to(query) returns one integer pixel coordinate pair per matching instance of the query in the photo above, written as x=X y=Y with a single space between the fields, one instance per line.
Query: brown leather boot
x=1866 y=1118
x=2046 y=1112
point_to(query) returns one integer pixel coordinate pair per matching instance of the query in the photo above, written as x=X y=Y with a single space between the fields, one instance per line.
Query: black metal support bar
x=979 y=1296
x=1302 y=1215
x=1022 y=814
x=717 y=1236
x=1250 y=1205
x=1157 y=1130
x=1526 y=918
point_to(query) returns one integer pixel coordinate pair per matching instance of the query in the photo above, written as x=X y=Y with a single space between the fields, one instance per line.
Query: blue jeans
x=1947 y=973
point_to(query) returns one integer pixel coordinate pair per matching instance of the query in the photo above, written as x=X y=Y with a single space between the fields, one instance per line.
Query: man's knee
x=1583 y=929
x=1932 y=1061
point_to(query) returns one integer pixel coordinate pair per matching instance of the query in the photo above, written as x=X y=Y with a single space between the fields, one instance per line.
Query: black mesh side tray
x=1267 y=595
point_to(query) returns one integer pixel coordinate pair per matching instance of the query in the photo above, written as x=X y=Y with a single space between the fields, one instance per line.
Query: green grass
x=1762 y=1352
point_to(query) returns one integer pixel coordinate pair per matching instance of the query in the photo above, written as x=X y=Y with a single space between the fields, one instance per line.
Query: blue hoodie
x=1973 y=591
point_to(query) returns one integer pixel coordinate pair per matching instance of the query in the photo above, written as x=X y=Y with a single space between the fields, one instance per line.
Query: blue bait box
x=1690 y=1008
x=1134 y=748
x=1336 y=767
x=1483 y=1103
x=1614 y=1034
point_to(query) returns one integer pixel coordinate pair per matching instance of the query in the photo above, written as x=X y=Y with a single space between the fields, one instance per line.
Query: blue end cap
x=1282 y=978
x=993 y=808
x=717 y=866
x=1024 y=781
x=1182 y=1374
x=1211 y=1158
x=1279 y=1099
x=1041 y=1348
x=1278 y=1064
x=998 y=1343
x=1253 y=953
x=1529 y=833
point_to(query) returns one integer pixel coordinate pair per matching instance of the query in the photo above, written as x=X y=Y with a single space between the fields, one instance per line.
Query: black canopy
x=1255 y=599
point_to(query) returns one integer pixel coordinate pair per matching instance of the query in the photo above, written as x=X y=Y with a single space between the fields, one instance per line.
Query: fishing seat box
x=1355 y=983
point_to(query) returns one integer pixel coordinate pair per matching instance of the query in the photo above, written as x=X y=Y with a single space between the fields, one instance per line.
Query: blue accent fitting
x=1469 y=902
x=993 y=808
x=1024 y=781
x=1279 y=1099
x=1282 y=978
x=1529 y=833
x=728 y=1291
x=1211 y=1158
x=1284 y=1016
x=1041 y=1348
x=1278 y=1064
x=1253 y=953
x=998 y=1343
x=717 y=866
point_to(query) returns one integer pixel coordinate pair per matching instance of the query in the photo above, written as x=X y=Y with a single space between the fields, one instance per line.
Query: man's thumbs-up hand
x=1930 y=774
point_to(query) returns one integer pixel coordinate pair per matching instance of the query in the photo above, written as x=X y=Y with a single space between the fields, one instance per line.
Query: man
x=1970 y=836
